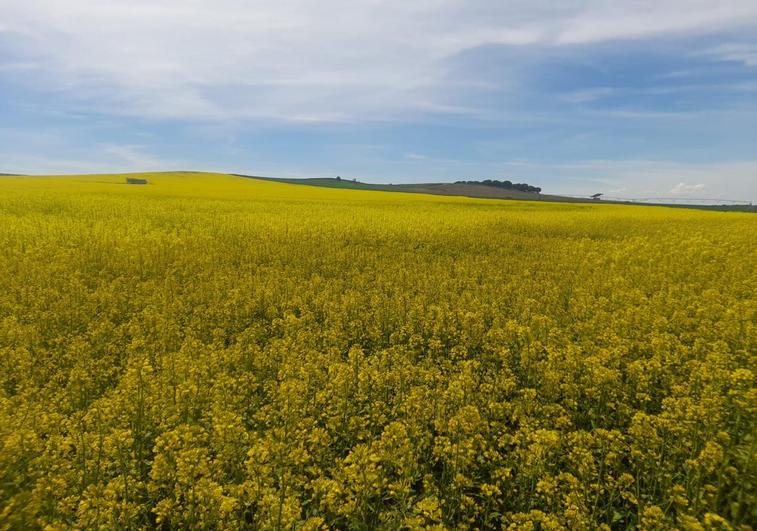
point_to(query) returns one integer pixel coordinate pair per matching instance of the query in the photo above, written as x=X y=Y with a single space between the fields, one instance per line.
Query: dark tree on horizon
x=506 y=185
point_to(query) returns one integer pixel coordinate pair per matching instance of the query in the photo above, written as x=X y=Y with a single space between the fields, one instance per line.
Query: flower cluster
x=212 y=352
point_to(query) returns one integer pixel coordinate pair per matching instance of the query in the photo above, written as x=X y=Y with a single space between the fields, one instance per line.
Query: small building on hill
x=135 y=180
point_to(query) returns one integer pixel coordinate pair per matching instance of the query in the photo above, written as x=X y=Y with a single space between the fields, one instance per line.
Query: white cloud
x=632 y=179
x=52 y=153
x=593 y=94
x=627 y=19
x=16 y=66
x=333 y=60
x=416 y=156
x=588 y=95
x=688 y=189
x=660 y=178
x=740 y=52
x=136 y=158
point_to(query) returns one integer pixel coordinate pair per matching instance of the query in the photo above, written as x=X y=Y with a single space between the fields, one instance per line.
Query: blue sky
x=629 y=98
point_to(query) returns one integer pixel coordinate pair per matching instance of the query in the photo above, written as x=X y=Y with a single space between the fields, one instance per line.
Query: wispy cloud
x=331 y=61
x=134 y=157
x=53 y=155
x=578 y=96
x=18 y=66
x=740 y=52
x=588 y=95
x=688 y=189
x=730 y=180
x=627 y=178
x=416 y=156
x=633 y=19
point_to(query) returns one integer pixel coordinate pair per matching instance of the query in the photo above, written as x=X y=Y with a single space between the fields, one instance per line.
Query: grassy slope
x=214 y=186
x=479 y=191
x=468 y=190
x=434 y=189
x=228 y=186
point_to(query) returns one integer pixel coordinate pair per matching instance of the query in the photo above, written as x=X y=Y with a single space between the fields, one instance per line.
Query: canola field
x=213 y=352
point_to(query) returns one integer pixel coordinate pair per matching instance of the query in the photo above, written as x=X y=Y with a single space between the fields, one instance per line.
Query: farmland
x=216 y=352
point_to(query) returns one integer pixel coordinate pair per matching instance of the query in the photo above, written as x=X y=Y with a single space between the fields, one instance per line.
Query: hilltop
x=466 y=189
x=470 y=189
x=480 y=189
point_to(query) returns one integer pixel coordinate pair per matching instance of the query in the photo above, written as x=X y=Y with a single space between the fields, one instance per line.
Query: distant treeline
x=507 y=185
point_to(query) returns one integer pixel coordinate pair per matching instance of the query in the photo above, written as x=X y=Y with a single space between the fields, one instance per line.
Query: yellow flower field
x=214 y=352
